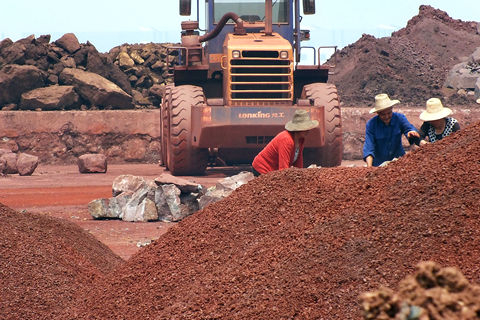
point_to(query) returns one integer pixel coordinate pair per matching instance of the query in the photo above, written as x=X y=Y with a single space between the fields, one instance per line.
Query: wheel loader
x=237 y=84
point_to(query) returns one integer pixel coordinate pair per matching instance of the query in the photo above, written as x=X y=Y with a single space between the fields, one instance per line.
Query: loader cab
x=253 y=13
x=285 y=17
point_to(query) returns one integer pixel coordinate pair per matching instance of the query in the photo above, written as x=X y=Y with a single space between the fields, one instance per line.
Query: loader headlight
x=283 y=54
x=236 y=54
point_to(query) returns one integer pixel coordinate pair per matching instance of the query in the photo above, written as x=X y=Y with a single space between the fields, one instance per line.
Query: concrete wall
x=134 y=136
x=62 y=136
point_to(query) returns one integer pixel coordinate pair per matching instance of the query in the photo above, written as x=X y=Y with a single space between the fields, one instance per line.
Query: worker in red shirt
x=286 y=149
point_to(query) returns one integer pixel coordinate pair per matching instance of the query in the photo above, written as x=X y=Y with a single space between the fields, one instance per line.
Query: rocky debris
x=147 y=68
x=69 y=42
x=50 y=98
x=465 y=75
x=32 y=63
x=432 y=292
x=127 y=183
x=411 y=65
x=96 y=89
x=224 y=188
x=166 y=198
x=44 y=263
x=18 y=79
x=184 y=185
x=10 y=160
x=137 y=199
x=92 y=163
x=26 y=164
x=22 y=163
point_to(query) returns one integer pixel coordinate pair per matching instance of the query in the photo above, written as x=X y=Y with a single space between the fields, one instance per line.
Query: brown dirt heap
x=411 y=65
x=432 y=293
x=44 y=262
x=305 y=243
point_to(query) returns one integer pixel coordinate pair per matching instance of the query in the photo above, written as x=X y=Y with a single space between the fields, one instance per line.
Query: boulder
x=117 y=204
x=16 y=79
x=184 y=185
x=10 y=160
x=139 y=207
x=92 y=163
x=127 y=183
x=461 y=77
x=68 y=42
x=224 y=188
x=26 y=164
x=98 y=208
x=103 y=65
x=169 y=204
x=50 y=98
x=96 y=89
x=475 y=57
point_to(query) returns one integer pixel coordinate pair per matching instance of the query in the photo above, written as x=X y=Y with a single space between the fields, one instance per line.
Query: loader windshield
x=251 y=10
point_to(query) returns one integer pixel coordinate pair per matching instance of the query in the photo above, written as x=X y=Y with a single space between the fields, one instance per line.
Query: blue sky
x=108 y=23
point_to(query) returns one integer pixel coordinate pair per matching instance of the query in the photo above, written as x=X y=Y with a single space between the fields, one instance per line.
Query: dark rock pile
x=411 y=65
x=38 y=75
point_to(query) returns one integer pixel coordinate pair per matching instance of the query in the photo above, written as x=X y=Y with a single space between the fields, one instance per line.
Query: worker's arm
x=369 y=145
x=369 y=161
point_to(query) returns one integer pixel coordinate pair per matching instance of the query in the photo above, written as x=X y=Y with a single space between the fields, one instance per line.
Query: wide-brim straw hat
x=382 y=102
x=301 y=121
x=435 y=110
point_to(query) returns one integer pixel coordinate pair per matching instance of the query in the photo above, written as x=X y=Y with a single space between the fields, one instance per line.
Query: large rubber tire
x=325 y=94
x=164 y=122
x=181 y=157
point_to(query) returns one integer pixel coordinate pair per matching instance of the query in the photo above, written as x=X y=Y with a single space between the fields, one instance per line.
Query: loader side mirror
x=185 y=7
x=308 y=6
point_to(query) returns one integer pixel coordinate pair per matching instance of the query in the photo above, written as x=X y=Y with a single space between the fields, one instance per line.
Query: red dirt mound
x=305 y=243
x=411 y=65
x=44 y=263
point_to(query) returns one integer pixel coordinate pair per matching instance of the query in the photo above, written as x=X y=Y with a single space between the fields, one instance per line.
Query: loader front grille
x=261 y=75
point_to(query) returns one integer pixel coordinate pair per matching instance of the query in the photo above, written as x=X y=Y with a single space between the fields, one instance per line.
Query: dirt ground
x=62 y=192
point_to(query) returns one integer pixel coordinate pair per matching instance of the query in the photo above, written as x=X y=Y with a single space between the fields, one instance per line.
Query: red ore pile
x=306 y=243
x=44 y=263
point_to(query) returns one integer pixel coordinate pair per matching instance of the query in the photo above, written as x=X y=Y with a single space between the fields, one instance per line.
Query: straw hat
x=382 y=101
x=435 y=110
x=301 y=121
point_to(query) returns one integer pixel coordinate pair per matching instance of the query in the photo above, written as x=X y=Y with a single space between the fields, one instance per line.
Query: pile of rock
x=12 y=163
x=465 y=76
x=432 y=292
x=38 y=75
x=147 y=68
x=166 y=198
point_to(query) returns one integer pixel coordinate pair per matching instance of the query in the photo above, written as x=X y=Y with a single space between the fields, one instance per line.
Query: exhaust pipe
x=268 y=17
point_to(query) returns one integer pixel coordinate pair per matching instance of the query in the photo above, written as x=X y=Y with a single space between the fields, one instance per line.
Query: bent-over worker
x=383 y=133
x=286 y=148
x=437 y=123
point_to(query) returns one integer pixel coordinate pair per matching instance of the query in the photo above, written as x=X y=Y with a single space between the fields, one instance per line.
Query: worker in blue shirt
x=383 y=134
